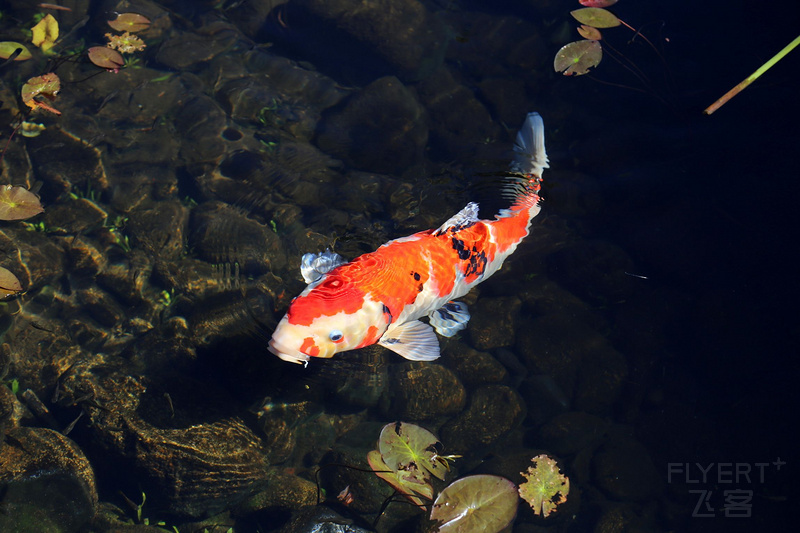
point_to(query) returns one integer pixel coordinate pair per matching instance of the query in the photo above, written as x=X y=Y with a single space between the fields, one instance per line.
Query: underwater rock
x=601 y=377
x=492 y=323
x=33 y=258
x=48 y=484
x=128 y=278
x=624 y=470
x=382 y=128
x=544 y=398
x=458 y=119
x=571 y=432
x=100 y=306
x=74 y=216
x=320 y=519
x=183 y=50
x=473 y=367
x=403 y=32
x=201 y=123
x=191 y=456
x=595 y=271
x=160 y=230
x=421 y=391
x=367 y=489
x=493 y=411
x=286 y=491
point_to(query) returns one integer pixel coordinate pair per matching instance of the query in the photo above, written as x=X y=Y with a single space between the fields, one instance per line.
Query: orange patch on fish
x=334 y=295
x=309 y=348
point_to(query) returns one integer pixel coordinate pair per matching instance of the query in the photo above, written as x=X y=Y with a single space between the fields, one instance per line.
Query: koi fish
x=379 y=297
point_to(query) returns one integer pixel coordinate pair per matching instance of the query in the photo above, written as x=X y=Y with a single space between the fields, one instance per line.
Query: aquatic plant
x=105 y=57
x=9 y=285
x=45 y=86
x=130 y=22
x=18 y=203
x=476 y=503
x=45 y=33
x=546 y=487
x=17 y=51
x=127 y=43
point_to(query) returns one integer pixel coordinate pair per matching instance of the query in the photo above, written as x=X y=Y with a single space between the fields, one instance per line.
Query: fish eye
x=336 y=336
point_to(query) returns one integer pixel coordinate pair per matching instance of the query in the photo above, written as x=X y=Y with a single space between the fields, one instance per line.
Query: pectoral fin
x=449 y=319
x=314 y=266
x=413 y=340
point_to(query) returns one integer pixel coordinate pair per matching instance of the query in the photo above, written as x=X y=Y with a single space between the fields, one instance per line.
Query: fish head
x=326 y=319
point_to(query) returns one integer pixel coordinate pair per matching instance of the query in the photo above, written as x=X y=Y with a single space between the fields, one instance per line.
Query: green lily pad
x=596 y=17
x=476 y=503
x=407 y=446
x=546 y=487
x=578 y=57
x=7 y=49
x=18 y=203
x=407 y=483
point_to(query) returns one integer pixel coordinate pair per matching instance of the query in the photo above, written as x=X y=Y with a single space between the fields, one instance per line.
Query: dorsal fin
x=530 y=157
x=314 y=266
x=463 y=219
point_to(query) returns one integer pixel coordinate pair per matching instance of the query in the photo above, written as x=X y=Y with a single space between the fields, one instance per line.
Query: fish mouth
x=288 y=354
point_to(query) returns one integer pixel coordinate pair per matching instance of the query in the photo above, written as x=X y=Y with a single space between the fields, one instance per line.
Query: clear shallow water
x=696 y=355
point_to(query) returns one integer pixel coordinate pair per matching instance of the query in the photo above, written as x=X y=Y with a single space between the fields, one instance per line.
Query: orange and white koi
x=379 y=297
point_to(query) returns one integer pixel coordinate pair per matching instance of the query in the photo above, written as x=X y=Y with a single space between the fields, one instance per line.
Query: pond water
x=641 y=336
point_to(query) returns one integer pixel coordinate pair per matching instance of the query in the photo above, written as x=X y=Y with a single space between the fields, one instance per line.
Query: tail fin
x=530 y=157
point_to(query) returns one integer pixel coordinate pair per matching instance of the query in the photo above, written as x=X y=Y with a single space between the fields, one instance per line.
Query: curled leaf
x=546 y=487
x=9 y=284
x=578 y=57
x=130 y=22
x=125 y=43
x=597 y=3
x=476 y=503
x=404 y=446
x=9 y=48
x=587 y=32
x=18 y=203
x=45 y=33
x=596 y=17
x=41 y=87
x=105 y=57
x=406 y=482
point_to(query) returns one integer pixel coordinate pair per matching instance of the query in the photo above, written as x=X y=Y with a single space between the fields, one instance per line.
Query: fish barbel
x=379 y=297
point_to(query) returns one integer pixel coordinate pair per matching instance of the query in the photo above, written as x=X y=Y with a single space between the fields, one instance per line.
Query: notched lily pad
x=9 y=48
x=44 y=86
x=476 y=503
x=546 y=487
x=132 y=22
x=18 y=203
x=578 y=57
x=596 y=17
x=9 y=284
x=407 y=483
x=105 y=57
x=404 y=446
x=587 y=32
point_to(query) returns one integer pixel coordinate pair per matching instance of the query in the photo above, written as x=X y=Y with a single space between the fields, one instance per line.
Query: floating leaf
x=126 y=43
x=130 y=22
x=597 y=3
x=596 y=17
x=9 y=284
x=587 y=32
x=407 y=483
x=8 y=48
x=105 y=57
x=546 y=487
x=476 y=503
x=578 y=57
x=46 y=86
x=407 y=446
x=45 y=33
x=18 y=203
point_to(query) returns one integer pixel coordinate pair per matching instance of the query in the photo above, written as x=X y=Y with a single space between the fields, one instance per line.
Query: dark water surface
x=644 y=335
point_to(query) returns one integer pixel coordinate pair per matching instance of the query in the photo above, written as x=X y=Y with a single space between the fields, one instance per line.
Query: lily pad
x=45 y=33
x=407 y=483
x=578 y=57
x=476 y=503
x=8 y=48
x=46 y=86
x=132 y=22
x=546 y=487
x=407 y=446
x=596 y=17
x=9 y=284
x=105 y=57
x=18 y=203
x=587 y=32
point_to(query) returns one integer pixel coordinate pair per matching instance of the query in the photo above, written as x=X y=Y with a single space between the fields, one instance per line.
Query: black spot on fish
x=477 y=264
x=419 y=288
x=458 y=246
x=416 y=275
x=387 y=311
